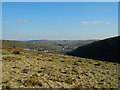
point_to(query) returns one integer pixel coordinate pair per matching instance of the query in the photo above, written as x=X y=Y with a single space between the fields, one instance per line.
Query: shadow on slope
x=105 y=50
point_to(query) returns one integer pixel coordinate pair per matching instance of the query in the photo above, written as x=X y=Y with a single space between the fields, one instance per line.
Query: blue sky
x=0 y=20
x=59 y=20
x=60 y=0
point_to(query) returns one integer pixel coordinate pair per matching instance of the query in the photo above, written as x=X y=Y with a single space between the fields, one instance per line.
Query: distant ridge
x=36 y=40
x=105 y=50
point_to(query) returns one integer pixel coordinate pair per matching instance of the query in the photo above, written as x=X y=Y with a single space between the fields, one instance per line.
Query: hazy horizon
x=59 y=39
x=59 y=20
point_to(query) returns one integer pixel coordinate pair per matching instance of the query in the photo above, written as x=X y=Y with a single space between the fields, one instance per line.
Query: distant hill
x=62 y=43
x=106 y=50
x=54 y=46
x=36 y=40
x=21 y=44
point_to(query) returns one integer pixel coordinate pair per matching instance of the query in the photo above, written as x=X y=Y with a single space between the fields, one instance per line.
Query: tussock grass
x=45 y=70
x=16 y=52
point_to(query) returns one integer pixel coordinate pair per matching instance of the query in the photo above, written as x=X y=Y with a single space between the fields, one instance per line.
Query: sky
x=0 y=20
x=59 y=20
x=60 y=0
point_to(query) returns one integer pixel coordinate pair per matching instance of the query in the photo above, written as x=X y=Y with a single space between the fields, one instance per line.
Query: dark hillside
x=106 y=50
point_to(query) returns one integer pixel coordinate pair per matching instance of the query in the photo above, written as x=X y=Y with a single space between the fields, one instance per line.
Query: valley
x=53 y=46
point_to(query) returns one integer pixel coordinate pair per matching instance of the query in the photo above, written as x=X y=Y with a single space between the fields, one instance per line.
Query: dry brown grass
x=10 y=58
x=16 y=52
x=33 y=82
x=44 y=70
x=5 y=47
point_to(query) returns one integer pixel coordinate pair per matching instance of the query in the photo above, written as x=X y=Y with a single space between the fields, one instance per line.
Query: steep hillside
x=28 y=69
x=107 y=50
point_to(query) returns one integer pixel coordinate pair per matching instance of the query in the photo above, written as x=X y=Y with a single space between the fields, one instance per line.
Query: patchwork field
x=29 y=69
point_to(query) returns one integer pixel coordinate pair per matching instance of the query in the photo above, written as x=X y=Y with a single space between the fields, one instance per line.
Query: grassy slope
x=44 y=70
x=20 y=44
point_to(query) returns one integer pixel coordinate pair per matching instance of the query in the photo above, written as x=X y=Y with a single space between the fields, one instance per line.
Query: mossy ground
x=28 y=69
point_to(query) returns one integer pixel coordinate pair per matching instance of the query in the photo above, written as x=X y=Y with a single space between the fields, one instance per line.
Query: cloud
x=85 y=22
x=20 y=21
x=95 y=22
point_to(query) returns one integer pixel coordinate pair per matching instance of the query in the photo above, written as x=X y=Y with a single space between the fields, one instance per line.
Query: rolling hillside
x=29 y=69
x=106 y=50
